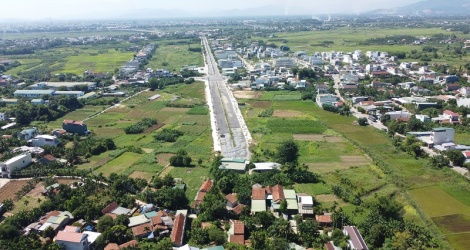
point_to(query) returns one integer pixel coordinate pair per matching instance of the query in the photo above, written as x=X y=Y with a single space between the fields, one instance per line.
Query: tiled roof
x=231 y=198
x=238 y=209
x=258 y=194
x=448 y=112
x=142 y=229
x=178 y=230
x=109 y=208
x=238 y=239
x=73 y=122
x=69 y=237
x=326 y=218
x=206 y=186
x=112 y=246
x=278 y=193
x=132 y=243
x=162 y=213
x=239 y=227
x=49 y=157
x=49 y=215
x=114 y=216
x=156 y=220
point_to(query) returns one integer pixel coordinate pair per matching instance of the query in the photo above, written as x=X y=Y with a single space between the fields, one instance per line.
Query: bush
x=168 y=135
x=266 y=113
x=140 y=126
x=362 y=121
x=181 y=159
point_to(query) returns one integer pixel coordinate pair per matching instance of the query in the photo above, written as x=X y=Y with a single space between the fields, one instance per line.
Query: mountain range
x=430 y=7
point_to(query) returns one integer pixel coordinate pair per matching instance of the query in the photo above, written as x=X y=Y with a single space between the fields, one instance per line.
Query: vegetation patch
x=262 y=104
x=198 y=110
x=290 y=97
x=455 y=223
x=441 y=204
x=295 y=126
x=140 y=126
x=286 y=113
x=168 y=135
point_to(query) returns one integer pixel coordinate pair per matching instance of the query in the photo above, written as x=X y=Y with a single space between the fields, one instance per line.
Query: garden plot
x=287 y=113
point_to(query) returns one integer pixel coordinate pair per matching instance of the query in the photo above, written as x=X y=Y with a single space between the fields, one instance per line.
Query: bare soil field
x=356 y=160
x=307 y=137
x=173 y=109
x=286 y=113
x=67 y=181
x=164 y=159
x=142 y=175
x=37 y=191
x=247 y=94
x=262 y=104
x=8 y=190
x=154 y=127
x=313 y=137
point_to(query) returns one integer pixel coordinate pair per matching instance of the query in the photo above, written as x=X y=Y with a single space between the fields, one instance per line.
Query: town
x=264 y=133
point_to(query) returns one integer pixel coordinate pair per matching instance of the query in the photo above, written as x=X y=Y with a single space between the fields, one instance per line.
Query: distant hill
x=430 y=7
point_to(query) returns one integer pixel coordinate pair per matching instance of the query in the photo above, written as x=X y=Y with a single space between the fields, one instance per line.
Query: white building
x=45 y=140
x=72 y=240
x=3 y=116
x=70 y=93
x=16 y=163
x=442 y=135
x=395 y=115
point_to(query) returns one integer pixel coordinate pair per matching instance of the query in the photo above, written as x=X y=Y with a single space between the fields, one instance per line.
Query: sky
x=84 y=9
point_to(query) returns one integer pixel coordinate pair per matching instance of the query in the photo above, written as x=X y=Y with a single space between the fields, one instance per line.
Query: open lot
x=174 y=57
x=8 y=190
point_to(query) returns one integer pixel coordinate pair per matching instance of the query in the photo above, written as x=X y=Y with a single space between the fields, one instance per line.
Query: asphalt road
x=232 y=139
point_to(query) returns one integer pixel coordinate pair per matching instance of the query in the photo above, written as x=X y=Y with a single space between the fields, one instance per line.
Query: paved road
x=232 y=139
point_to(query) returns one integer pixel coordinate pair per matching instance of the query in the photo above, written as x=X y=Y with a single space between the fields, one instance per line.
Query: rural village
x=268 y=137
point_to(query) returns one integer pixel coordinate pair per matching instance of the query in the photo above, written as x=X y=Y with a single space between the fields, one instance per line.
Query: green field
x=351 y=39
x=174 y=57
x=391 y=172
x=97 y=62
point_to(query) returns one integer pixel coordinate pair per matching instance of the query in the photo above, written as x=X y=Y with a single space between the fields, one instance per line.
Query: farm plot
x=262 y=104
x=120 y=164
x=287 y=97
x=287 y=113
x=295 y=126
x=8 y=190
x=247 y=94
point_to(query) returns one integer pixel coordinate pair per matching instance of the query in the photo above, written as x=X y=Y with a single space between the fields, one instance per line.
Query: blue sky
x=37 y=9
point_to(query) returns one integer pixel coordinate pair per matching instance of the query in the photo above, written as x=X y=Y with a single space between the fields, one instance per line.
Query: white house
x=44 y=140
x=72 y=240
x=442 y=135
x=16 y=163
x=266 y=166
x=326 y=99
x=395 y=115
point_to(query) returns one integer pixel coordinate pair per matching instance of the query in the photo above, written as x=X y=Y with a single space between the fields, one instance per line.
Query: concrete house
x=236 y=233
x=442 y=135
x=327 y=99
x=305 y=204
x=3 y=116
x=16 y=163
x=28 y=134
x=44 y=140
x=76 y=241
x=177 y=234
x=232 y=200
x=32 y=93
x=75 y=127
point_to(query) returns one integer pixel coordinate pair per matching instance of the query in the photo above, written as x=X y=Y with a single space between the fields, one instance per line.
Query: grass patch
x=313 y=188
x=174 y=57
x=295 y=126
x=291 y=97
x=120 y=164
x=198 y=110
x=441 y=203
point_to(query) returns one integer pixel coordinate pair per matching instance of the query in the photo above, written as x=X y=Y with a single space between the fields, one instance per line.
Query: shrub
x=140 y=126
x=168 y=135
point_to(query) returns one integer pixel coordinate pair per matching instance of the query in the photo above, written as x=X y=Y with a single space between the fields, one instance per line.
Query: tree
x=104 y=223
x=199 y=236
x=456 y=157
x=164 y=244
x=438 y=161
x=308 y=232
x=362 y=121
x=283 y=206
x=287 y=152
x=280 y=228
x=153 y=84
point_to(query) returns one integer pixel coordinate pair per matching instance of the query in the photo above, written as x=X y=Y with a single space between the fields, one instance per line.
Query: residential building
x=442 y=135
x=56 y=85
x=28 y=134
x=266 y=166
x=236 y=233
x=423 y=118
x=305 y=203
x=70 y=93
x=72 y=240
x=327 y=99
x=355 y=242
x=258 y=199
x=232 y=200
x=33 y=93
x=114 y=208
x=177 y=234
x=284 y=62
x=3 y=116
x=44 y=140
x=55 y=220
x=16 y=163
x=75 y=127
x=324 y=219
x=238 y=165
x=205 y=187
x=399 y=115
x=38 y=101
